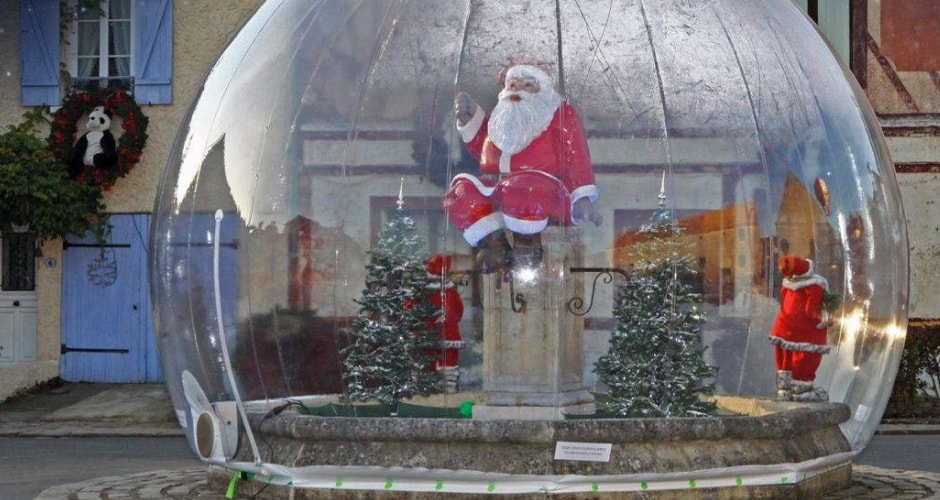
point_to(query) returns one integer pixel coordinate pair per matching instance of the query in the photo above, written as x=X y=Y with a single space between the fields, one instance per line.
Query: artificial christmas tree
x=655 y=365
x=390 y=355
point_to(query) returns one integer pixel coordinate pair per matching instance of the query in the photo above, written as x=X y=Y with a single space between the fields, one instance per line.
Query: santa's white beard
x=514 y=124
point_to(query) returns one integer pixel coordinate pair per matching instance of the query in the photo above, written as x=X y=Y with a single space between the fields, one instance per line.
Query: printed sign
x=585 y=452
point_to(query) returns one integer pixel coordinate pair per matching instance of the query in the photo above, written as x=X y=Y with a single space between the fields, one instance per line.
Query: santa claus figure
x=447 y=358
x=799 y=332
x=535 y=166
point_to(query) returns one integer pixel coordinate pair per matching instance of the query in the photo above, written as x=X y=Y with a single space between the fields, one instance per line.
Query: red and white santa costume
x=799 y=332
x=447 y=358
x=522 y=190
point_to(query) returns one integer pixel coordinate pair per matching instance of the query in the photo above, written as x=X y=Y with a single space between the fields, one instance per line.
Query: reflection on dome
x=324 y=122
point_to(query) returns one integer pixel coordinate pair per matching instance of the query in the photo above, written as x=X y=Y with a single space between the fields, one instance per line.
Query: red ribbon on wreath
x=130 y=144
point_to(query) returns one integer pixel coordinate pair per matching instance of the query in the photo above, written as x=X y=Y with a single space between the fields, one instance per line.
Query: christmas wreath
x=130 y=144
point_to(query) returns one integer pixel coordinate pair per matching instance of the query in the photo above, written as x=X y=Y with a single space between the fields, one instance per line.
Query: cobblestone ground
x=868 y=483
x=876 y=483
x=181 y=484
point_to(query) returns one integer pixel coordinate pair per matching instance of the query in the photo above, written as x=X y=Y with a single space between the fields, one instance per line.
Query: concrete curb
x=897 y=429
x=82 y=429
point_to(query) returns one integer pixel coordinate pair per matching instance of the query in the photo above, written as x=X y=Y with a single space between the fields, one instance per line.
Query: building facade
x=36 y=43
x=175 y=44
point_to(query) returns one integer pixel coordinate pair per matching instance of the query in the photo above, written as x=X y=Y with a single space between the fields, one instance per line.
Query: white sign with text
x=585 y=452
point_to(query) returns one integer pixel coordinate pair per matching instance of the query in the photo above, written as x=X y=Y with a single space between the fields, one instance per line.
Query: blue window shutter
x=153 y=58
x=39 y=52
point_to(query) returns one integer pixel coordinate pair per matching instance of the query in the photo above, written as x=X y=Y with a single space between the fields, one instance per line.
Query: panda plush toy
x=97 y=147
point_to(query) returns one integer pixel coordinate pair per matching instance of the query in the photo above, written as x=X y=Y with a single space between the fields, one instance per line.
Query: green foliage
x=831 y=301
x=918 y=378
x=655 y=366
x=388 y=358
x=35 y=190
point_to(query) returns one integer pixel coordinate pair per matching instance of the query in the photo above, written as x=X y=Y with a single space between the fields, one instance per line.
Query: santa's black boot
x=492 y=253
x=526 y=251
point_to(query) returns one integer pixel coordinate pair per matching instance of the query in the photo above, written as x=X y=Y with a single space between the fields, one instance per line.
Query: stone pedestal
x=532 y=343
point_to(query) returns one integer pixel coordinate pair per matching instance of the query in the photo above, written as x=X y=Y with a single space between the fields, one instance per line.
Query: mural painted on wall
x=901 y=77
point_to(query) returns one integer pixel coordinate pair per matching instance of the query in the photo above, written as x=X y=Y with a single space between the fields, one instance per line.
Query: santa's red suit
x=451 y=306
x=524 y=190
x=799 y=332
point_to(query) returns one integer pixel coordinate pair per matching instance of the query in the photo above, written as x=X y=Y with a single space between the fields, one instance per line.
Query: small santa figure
x=799 y=332
x=535 y=166
x=447 y=358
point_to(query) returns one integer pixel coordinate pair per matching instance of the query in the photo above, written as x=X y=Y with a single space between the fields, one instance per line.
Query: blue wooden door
x=107 y=323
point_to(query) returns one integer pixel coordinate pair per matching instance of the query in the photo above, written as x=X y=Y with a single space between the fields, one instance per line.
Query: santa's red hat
x=438 y=264
x=794 y=265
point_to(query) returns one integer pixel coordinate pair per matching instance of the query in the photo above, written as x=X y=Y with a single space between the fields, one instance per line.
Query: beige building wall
x=10 y=112
x=17 y=376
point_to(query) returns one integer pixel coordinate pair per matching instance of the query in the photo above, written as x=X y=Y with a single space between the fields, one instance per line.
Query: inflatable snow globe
x=503 y=247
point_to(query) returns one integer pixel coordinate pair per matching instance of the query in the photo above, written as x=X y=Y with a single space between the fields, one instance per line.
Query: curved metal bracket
x=576 y=304
x=515 y=298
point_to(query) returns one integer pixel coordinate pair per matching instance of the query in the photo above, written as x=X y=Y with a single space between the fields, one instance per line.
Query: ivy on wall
x=36 y=193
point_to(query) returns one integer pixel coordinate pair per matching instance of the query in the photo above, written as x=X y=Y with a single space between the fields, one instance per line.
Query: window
x=832 y=17
x=18 y=260
x=130 y=46
x=100 y=44
x=427 y=213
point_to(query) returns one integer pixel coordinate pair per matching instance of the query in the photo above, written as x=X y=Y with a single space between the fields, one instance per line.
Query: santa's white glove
x=824 y=321
x=464 y=107
x=583 y=211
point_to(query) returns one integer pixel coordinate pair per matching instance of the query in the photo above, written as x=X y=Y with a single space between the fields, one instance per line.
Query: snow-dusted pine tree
x=655 y=366
x=388 y=357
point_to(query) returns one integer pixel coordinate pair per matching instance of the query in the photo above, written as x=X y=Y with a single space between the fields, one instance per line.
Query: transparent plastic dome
x=324 y=122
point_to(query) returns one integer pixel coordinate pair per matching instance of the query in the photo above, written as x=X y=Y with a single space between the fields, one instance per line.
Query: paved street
x=121 y=441
x=910 y=452
x=30 y=465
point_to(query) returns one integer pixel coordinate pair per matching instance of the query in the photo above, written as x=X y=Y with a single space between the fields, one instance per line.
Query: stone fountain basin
x=763 y=432
x=754 y=432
